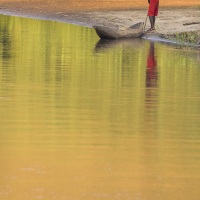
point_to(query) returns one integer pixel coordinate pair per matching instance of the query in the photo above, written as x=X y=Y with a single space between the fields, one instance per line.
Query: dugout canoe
x=134 y=31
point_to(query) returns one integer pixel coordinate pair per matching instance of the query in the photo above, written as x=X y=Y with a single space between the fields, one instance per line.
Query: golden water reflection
x=86 y=119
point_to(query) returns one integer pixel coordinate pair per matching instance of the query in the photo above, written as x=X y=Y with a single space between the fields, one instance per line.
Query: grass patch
x=189 y=39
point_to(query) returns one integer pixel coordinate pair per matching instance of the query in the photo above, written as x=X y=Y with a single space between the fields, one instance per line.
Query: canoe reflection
x=104 y=44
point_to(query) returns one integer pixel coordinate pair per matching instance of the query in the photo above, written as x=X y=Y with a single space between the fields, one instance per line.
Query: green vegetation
x=187 y=39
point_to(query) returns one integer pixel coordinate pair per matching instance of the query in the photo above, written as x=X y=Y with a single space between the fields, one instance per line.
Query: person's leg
x=154 y=20
x=152 y=12
x=151 y=19
x=155 y=14
x=156 y=9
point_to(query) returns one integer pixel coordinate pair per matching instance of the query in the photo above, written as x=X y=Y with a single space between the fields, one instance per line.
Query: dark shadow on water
x=105 y=44
x=5 y=42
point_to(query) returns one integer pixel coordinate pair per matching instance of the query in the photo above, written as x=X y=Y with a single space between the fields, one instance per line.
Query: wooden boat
x=134 y=31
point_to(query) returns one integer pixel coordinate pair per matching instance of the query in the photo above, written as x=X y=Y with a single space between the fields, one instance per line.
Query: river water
x=87 y=119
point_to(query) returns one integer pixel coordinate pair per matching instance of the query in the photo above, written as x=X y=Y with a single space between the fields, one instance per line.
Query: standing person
x=153 y=12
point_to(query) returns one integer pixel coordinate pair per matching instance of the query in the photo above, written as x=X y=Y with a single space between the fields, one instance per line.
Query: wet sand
x=169 y=21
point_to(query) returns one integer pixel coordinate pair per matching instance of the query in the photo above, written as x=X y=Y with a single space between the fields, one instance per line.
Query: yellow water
x=83 y=119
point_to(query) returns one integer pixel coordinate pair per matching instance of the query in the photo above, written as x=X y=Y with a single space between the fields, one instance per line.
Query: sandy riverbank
x=170 y=20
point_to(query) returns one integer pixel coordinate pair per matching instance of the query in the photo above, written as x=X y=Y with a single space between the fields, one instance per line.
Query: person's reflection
x=151 y=77
x=151 y=72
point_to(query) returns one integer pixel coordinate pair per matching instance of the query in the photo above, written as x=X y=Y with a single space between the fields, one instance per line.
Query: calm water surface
x=84 y=119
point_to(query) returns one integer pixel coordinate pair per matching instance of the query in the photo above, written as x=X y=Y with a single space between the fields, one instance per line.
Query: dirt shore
x=169 y=21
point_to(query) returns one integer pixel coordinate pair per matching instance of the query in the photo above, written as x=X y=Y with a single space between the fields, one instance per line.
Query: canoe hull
x=134 y=31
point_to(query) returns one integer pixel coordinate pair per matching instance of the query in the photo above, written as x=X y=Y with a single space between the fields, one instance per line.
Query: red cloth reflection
x=151 y=73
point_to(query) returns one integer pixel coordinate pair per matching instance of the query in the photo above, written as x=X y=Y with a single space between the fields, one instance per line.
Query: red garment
x=153 y=8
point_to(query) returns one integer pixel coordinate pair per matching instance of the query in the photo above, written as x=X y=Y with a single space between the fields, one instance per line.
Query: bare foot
x=151 y=29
